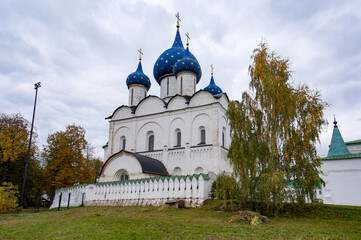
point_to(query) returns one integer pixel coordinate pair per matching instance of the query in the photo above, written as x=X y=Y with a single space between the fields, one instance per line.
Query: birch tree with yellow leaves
x=274 y=130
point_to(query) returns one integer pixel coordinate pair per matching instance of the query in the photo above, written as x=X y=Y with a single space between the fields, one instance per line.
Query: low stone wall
x=193 y=189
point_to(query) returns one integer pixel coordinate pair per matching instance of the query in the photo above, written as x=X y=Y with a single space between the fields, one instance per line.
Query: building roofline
x=353 y=142
x=340 y=157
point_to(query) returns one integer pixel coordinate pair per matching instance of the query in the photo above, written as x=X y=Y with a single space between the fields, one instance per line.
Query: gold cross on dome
x=178 y=18
x=140 y=53
x=187 y=35
x=212 y=68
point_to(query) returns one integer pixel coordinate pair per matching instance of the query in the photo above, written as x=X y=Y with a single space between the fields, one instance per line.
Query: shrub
x=8 y=198
x=227 y=187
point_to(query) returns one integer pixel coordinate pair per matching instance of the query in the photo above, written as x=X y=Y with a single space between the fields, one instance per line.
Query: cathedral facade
x=181 y=132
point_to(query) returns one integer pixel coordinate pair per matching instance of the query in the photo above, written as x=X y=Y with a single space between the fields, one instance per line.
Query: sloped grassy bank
x=208 y=222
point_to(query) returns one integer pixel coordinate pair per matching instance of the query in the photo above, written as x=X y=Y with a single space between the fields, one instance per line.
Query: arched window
x=123 y=142
x=121 y=175
x=151 y=141
x=177 y=171
x=198 y=170
x=202 y=135
x=224 y=137
x=178 y=138
x=124 y=177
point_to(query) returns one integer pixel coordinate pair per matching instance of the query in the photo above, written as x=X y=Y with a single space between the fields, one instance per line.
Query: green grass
x=323 y=222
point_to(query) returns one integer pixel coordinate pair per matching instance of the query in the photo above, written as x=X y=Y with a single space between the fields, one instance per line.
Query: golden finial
x=187 y=35
x=212 y=69
x=178 y=19
x=140 y=54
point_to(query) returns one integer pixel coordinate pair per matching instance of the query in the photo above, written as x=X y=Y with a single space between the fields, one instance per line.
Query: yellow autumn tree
x=67 y=159
x=13 y=141
x=274 y=129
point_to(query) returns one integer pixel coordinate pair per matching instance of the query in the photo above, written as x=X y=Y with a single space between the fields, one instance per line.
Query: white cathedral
x=182 y=132
x=161 y=148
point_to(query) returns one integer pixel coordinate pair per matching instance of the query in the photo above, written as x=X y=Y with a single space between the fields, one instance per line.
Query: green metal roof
x=292 y=183
x=346 y=156
x=353 y=142
x=337 y=146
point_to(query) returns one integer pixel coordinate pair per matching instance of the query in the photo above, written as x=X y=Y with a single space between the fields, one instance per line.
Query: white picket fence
x=193 y=189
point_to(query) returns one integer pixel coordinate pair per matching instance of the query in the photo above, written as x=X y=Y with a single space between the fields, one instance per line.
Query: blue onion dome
x=163 y=67
x=188 y=64
x=138 y=77
x=213 y=88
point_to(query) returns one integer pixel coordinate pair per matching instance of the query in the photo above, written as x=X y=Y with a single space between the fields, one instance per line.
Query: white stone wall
x=342 y=178
x=136 y=94
x=186 y=82
x=354 y=148
x=168 y=87
x=142 y=192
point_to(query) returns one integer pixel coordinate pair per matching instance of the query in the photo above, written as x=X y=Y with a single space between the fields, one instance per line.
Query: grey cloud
x=82 y=52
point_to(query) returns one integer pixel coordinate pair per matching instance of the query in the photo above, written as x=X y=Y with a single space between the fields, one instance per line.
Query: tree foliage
x=14 y=139
x=274 y=129
x=8 y=197
x=69 y=159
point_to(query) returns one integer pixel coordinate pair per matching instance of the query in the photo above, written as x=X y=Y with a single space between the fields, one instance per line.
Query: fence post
x=82 y=199
x=69 y=200
x=61 y=194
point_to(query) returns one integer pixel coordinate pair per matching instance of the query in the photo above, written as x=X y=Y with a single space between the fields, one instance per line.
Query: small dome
x=138 y=77
x=213 y=88
x=188 y=64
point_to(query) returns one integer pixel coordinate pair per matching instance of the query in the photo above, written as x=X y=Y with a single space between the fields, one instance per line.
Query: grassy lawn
x=328 y=222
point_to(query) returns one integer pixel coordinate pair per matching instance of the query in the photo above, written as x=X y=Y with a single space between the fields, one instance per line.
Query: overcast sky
x=82 y=52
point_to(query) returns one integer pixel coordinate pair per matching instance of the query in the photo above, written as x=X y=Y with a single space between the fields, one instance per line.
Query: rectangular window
x=131 y=98
x=203 y=136
x=181 y=83
x=167 y=86
x=151 y=143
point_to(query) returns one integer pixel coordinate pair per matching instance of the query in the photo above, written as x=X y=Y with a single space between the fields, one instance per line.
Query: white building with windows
x=185 y=130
